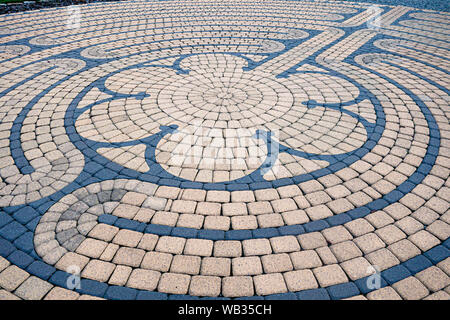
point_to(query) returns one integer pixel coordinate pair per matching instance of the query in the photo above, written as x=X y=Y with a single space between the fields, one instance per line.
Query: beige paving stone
x=158 y=261
x=345 y=250
x=12 y=277
x=283 y=205
x=399 y=210
x=216 y=267
x=127 y=238
x=312 y=240
x=217 y=223
x=167 y=192
x=133 y=198
x=326 y=255
x=440 y=295
x=370 y=177
x=168 y=244
x=256 y=247
x=109 y=252
x=190 y=221
x=148 y=242
x=411 y=289
x=126 y=211
x=194 y=195
x=7 y=296
x=437 y=204
x=340 y=206
x=295 y=217
x=369 y=242
x=72 y=259
x=58 y=293
x=260 y=207
x=143 y=279
x=198 y=247
x=317 y=198
x=424 y=240
x=208 y=208
x=390 y=234
x=358 y=297
x=305 y=259
x=270 y=220
x=439 y=229
x=120 y=275
x=218 y=196
x=300 y=280
x=174 y=283
x=98 y=270
x=284 y=244
x=444 y=265
x=240 y=286
x=245 y=266
x=379 y=219
x=103 y=232
x=129 y=256
x=318 y=212
x=33 y=288
x=425 y=215
x=433 y=278
x=338 y=191
x=92 y=248
x=185 y=264
x=3 y=263
x=336 y=234
x=289 y=191
x=409 y=225
x=330 y=180
x=330 y=275
x=144 y=215
x=356 y=268
x=310 y=186
x=355 y=184
x=266 y=194
x=243 y=196
x=206 y=286
x=359 y=198
x=269 y=284
x=183 y=206
x=89 y=297
x=302 y=202
x=165 y=218
x=386 y=293
x=359 y=227
x=382 y=258
x=276 y=263
x=404 y=250
x=244 y=222
x=227 y=248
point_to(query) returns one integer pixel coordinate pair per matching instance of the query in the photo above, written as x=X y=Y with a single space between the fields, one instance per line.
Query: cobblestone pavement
x=172 y=149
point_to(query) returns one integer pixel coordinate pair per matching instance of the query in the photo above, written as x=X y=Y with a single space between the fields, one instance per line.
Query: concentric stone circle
x=294 y=149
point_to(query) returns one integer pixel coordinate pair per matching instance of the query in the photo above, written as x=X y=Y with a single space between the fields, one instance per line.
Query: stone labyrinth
x=178 y=149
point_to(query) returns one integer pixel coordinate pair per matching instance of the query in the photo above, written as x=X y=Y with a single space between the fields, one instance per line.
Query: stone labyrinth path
x=178 y=149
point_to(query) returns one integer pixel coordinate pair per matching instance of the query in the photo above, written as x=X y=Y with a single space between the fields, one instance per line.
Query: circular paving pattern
x=171 y=149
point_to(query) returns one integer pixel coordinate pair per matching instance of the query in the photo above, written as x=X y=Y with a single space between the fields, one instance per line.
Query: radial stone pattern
x=179 y=149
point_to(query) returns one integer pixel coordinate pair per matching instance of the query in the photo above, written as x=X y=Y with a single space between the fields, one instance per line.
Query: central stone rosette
x=218 y=107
